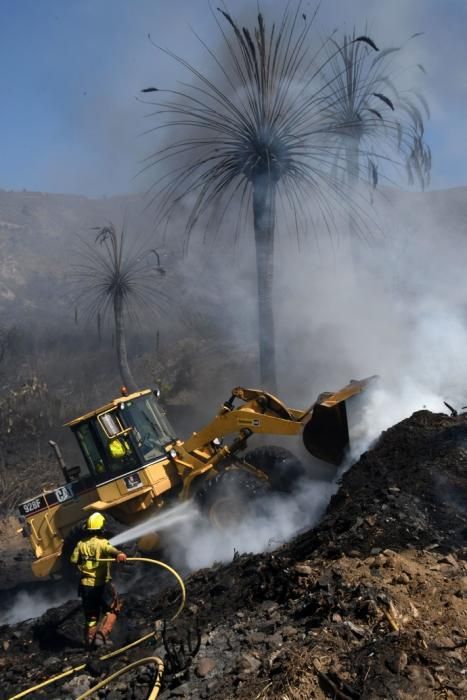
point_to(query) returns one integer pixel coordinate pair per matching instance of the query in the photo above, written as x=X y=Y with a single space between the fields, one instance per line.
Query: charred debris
x=371 y=603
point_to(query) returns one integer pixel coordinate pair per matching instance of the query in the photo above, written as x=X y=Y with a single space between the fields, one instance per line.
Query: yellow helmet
x=96 y=521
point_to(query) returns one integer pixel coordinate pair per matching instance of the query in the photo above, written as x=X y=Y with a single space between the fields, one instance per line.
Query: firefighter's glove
x=121 y=557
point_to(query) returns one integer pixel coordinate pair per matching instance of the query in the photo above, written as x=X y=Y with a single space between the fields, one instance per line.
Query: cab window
x=105 y=457
x=151 y=431
x=119 y=453
x=89 y=449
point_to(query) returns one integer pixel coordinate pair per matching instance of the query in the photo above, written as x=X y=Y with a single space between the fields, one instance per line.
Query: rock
x=5 y=645
x=51 y=661
x=274 y=641
x=269 y=607
x=288 y=631
x=421 y=634
x=420 y=676
x=358 y=631
x=403 y=579
x=247 y=663
x=78 y=685
x=371 y=520
x=183 y=691
x=255 y=638
x=375 y=550
x=204 y=667
x=303 y=569
x=267 y=627
x=449 y=559
x=444 y=643
x=398 y=662
x=113 y=695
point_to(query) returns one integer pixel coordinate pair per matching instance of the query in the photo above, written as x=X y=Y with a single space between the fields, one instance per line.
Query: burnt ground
x=372 y=603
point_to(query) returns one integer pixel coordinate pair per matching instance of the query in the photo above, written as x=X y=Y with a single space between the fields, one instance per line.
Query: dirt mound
x=369 y=604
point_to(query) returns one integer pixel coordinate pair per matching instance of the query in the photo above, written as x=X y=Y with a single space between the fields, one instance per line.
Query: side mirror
x=156 y=392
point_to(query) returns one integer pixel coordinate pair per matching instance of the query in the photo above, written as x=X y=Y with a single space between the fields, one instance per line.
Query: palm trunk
x=263 y=219
x=352 y=181
x=120 y=341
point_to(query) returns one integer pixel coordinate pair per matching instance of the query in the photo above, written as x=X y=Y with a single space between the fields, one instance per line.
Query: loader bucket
x=326 y=434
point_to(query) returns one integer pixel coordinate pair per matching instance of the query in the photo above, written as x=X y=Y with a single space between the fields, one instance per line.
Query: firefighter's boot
x=105 y=628
x=90 y=634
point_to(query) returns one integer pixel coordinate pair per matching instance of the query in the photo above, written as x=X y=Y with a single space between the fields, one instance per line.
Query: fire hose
x=155 y=660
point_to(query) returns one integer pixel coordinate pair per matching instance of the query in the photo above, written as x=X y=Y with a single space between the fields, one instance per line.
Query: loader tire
x=230 y=496
x=283 y=468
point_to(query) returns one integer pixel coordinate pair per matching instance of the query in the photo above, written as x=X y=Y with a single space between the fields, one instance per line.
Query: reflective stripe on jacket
x=85 y=555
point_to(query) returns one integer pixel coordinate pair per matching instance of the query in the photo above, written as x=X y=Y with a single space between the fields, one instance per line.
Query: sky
x=72 y=120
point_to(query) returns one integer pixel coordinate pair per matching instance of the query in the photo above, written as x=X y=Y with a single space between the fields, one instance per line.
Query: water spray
x=175 y=516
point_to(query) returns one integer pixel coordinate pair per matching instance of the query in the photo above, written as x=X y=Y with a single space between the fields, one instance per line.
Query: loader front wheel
x=283 y=468
x=231 y=496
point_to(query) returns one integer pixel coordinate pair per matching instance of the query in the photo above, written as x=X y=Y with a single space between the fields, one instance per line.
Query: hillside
x=38 y=237
x=38 y=234
x=369 y=604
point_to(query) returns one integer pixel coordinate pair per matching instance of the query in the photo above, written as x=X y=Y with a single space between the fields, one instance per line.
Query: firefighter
x=118 y=448
x=97 y=593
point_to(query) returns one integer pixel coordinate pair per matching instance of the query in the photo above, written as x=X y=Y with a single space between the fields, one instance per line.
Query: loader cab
x=129 y=433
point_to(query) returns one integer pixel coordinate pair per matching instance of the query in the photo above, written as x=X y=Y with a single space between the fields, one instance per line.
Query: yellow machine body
x=136 y=465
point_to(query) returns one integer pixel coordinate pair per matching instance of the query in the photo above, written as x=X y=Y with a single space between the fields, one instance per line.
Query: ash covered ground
x=371 y=603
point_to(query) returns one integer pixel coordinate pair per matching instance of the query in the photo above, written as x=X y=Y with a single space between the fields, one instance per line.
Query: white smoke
x=280 y=517
x=194 y=542
x=30 y=605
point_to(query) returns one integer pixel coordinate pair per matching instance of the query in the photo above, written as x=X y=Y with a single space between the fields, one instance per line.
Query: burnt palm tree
x=116 y=280
x=379 y=126
x=257 y=135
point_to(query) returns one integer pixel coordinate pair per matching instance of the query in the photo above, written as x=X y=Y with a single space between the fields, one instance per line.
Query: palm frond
x=367 y=119
x=113 y=269
x=268 y=119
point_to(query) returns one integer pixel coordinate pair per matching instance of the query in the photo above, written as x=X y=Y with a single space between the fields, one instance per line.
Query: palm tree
x=114 y=279
x=259 y=135
x=378 y=125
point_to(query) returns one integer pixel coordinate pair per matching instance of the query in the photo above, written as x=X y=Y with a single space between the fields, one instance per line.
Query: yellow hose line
x=140 y=662
x=111 y=654
x=168 y=568
x=49 y=681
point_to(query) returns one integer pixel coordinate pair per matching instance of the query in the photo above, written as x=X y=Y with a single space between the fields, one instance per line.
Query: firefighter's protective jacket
x=85 y=555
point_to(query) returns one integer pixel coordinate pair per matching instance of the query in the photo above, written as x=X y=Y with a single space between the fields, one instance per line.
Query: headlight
x=173 y=453
x=217 y=442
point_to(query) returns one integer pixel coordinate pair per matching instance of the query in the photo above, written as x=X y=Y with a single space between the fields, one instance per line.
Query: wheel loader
x=135 y=466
